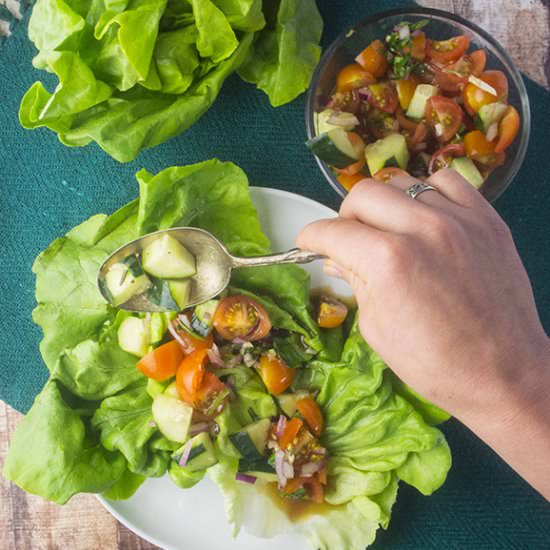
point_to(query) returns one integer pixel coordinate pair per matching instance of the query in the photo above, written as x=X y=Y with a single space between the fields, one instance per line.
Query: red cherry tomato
x=507 y=129
x=163 y=362
x=192 y=343
x=445 y=116
x=447 y=51
x=241 y=317
x=383 y=96
x=453 y=78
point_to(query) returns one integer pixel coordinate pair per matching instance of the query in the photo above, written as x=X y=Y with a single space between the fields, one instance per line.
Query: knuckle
x=393 y=256
x=441 y=228
x=356 y=196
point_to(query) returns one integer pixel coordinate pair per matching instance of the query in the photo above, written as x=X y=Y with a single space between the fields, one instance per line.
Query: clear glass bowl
x=441 y=25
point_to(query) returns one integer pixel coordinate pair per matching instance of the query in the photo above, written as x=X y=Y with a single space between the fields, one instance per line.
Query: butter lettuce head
x=91 y=429
x=134 y=73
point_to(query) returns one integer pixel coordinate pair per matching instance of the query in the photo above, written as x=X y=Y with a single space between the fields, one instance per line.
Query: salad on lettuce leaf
x=272 y=394
x=134 y=73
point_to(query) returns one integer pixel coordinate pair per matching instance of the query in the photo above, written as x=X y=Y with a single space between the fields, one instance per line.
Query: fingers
x=453 y=186
x=348 y=243
x=432 y=198
x=383 y=206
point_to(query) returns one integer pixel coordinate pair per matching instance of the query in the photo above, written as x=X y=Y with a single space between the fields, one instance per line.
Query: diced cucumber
x=490 y=114
x=251 y=441
x=134 y=265
x=258 y=465
x=335 y=148
x=203 y=317
x=287 y=401
x=158 y=325
x=172 y=416
x=201 y=455
x=133 y=336
x=122 y=285
x=347 y=121
x=155 y=387
x=417 y=106
x=167 y=258
x=468 y=170
x=180 y=289
x=161 y=295
x=172 y=390
x=389 y=151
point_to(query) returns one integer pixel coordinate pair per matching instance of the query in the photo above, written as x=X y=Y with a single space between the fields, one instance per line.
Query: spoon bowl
x=214 y=264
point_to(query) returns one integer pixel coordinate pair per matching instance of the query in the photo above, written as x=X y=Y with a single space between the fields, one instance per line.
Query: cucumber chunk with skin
x=123 y=285
x=202 y=319
x=389 y=151
x=167 y=258
x=172 y=294
x=180 y=289
x=490 y=114
x=133 y=336
x=251 y=441
x=417 y=106
x=347 y=121
x=468 y=170
x=155 y=387
x=335 y=148
x=172 y=416
x=287 y=401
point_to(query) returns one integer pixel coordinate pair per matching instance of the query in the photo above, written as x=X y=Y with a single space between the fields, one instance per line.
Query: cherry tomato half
x=386 y=174
x=417 y=140
x=453 y=78
x=443 y=157
x=163 y=362
x=383 y=96
x=474 y=97
x=353 y=76
x=418 y=50
x=349 y=180
x=477 y=145
x=445 y=116
x=373 y=59
x=447 y=51
x=352 y=169
x=311 y=413
x=241 y=317
x=332 y=313
x=507 y=129
x=276 y=374
x=293 y=426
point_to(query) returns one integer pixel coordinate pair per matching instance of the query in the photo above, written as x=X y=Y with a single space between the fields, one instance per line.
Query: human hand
x=443 y=296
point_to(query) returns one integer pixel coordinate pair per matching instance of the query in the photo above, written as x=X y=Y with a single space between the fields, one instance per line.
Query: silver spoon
x=213 y=261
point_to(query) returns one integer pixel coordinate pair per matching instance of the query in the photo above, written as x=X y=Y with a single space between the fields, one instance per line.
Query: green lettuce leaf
x=244 y=15
x=286 y=52
x=54 y=454
x=125 y=487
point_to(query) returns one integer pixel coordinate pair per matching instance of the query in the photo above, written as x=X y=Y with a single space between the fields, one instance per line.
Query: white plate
x=194 y=519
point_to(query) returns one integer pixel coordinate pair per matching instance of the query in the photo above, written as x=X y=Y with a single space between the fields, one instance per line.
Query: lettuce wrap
x=91 y=429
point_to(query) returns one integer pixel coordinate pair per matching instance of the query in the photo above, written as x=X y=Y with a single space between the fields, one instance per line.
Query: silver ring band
x=417 y=188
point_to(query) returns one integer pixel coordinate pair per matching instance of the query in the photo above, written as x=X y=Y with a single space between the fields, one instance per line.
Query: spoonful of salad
x=173 y=269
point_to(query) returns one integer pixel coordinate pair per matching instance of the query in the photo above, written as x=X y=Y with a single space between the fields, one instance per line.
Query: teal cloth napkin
x=47 y=188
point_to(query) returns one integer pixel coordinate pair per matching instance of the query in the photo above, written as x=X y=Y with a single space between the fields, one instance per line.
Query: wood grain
x=29 y=523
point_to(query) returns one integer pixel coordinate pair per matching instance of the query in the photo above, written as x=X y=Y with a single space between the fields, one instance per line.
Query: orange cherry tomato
x=443 y=157
x=405 y=122
x=418 y=50
x=447 y=51
x=331 y=313
x=196 y=385
x=192 y=343
x=474 y=97
x=445 y=116
x=453 y=78
x=353 y=76
x=352 y=169
x=311 y=413
x=386 y=174
x=276 y=374
x=293 y=426
x=208 y=394
x=311 y=484
x=349 y=180
x=163 y=362
x=241 y=317
x=477 y=145
x=373 y=59
x=507 y=129
x=405 y=91
x=383 y=96
x=357 y=143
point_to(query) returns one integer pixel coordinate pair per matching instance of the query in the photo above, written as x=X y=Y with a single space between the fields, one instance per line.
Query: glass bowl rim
x=511 y=68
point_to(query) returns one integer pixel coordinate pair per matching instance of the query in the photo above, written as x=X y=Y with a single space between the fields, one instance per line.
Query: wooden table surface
x=30 y=523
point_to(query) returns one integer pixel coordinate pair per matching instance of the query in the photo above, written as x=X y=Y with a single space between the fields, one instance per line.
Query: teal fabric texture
x=47 y=188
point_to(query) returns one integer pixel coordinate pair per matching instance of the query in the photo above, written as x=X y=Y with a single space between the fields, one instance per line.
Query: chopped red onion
x=177 y=337
x=279 y=461
x=492 y=131
x=215 y=357
x=238 y=340
x=308 y=469
x=185 y=456
x=404 y=32
x=184 y=320
x=281 y=424
x=245 y=478
x=343 y=119
x=363 y=94
x=234 y=361
x=198 y=428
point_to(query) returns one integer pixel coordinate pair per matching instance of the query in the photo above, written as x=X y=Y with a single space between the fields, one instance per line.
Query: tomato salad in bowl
x=417 y=100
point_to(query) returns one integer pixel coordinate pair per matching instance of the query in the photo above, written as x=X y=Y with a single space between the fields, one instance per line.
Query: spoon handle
x=294 y=256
